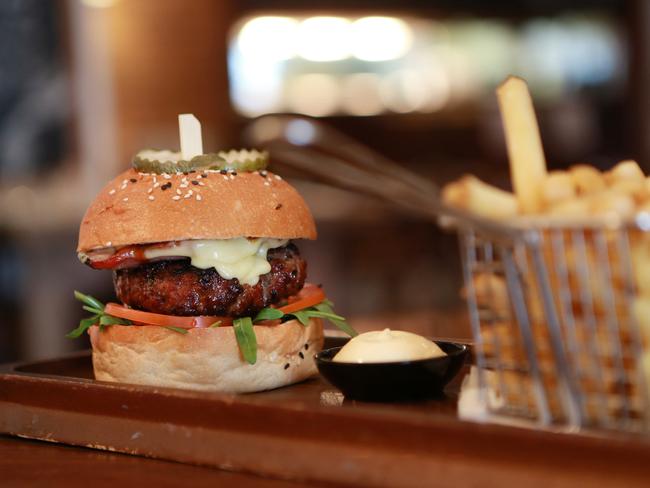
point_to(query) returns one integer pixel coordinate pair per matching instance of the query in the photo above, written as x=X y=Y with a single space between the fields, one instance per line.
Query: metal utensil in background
x=321 y=153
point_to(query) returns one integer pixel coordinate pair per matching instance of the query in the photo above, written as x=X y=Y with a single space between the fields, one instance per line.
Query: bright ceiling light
x=324 y=38
x=380 y=38
x=268 y=37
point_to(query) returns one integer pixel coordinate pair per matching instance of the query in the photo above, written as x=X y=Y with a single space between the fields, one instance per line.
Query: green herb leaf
x=246 y=339
x=92 y=310
x=180 y=330
x=110 y=320
x=88 y=300
x=216 y=324
x=84 y=325
x=268 y=314
x=325 y=315
x=94 y=306
x=325 y=307
x=302 y=316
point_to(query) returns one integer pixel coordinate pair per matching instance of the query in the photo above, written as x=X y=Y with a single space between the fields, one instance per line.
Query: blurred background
x=84 y=84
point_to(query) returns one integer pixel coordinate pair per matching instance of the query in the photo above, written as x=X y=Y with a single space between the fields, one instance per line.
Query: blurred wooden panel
x=169 y=57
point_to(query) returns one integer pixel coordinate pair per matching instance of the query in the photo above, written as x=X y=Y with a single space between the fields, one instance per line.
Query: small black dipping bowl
x=394 y=381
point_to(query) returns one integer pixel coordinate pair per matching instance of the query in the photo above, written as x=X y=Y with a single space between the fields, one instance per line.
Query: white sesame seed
x=154 y=179
x=225 y=177
x=231 y=177
x=124 y=182
x=277 y=177
x=183 y=185
x=167 y=176
x=178 y=191
x=266 y=183
x=198 y=197
x=112 y=192
x=108 y=243
x=122 y=187
x=190 y=192
x=176 y=197
x=199 y=176
x=151 y=197
x=201 y=183
x=156 y=184
x=149 y=190
x=187 y=195
x=125 y=199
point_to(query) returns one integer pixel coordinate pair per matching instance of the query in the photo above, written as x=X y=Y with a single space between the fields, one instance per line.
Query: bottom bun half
x=206 y=359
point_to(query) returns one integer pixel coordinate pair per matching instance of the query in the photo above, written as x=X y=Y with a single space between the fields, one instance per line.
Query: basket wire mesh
x=554 y=312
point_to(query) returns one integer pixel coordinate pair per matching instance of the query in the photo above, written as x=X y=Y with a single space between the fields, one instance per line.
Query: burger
x=211 y=287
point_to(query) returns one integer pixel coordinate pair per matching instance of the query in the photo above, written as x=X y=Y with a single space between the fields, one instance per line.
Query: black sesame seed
x=185 y=173
x=166 y=186
x=194 y=182
x=233 y=172
x=223 y=172
x=302 y=356
x=306 y=346
x=133 y=180
x=205 y=175
x=286 y=366
x=278 y=206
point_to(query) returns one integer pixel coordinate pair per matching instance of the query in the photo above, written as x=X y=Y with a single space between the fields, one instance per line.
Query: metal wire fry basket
x=558 y=313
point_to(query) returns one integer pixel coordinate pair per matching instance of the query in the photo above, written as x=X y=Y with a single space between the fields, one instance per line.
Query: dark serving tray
x=305 y=432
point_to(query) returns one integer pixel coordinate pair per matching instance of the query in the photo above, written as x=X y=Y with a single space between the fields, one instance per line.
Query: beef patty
x=175 y=287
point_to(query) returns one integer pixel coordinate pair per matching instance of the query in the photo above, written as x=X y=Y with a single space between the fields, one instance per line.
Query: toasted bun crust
x=206 y=359
x=218 y=207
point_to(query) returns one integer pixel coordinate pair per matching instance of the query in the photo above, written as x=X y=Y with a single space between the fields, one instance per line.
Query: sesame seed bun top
x=142 y=208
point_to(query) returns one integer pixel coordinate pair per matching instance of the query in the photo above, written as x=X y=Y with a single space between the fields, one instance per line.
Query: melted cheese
x=241 y=258
x=387 y=346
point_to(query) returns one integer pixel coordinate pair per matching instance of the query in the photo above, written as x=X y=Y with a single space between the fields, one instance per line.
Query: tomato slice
x=309 y=296
x=150 y=318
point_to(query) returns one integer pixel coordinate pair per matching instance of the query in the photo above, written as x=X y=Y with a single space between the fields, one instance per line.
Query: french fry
x=625 y=170
x=453 y=194
x=587 y=179
x=527 y=163
x=482 y=199
x=557 y=187
x=491 y=292
x=641 y=309
x=641 y=265
x=634 y=187
x=612 y=202
x=573 y=207
x=644 y=207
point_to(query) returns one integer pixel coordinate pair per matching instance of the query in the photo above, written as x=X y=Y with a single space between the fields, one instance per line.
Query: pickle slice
x=244 y=159
x=164 y=161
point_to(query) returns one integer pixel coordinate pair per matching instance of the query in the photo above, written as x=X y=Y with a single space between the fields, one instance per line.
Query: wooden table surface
x=34 y=463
